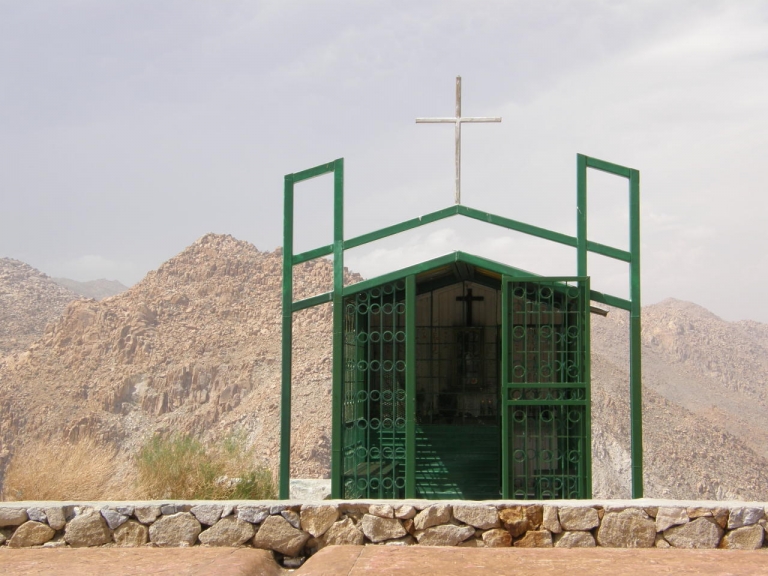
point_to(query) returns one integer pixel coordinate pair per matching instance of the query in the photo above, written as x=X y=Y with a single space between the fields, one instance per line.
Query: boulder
x=33 y=533
x=432 y=516
x=207 y=514
x=744 y=538
x=180 y=529
x=550 y=520
x=535 y=539
x=113 y=517
x=317 y=519
x=12 y=516
x=744 y=516
x=87 y=529
x=478 y=515
x=278 y=535
x=343 y=532
x=630 y=528
x=703 y=532
x=497 y=538
x=668 y=517
x=519 y=519
x=131 y=533
x=378 y=529
x=444 y=535
x=578 y=518
x=579 y=539
x=228 y=531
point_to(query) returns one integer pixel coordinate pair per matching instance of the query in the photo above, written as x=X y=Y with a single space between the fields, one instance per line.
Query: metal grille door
x=373 y=414
x=545 y=389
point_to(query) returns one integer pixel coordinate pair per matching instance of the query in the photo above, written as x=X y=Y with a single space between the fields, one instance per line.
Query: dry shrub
x=59 y=470
x=181 y=468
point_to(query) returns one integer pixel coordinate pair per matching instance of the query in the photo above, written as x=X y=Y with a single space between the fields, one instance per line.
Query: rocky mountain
x=195 y=347
x=96 y=289
x=29 y=300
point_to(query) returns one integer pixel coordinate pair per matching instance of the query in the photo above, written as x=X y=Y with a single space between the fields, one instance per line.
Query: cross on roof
x=457 y=120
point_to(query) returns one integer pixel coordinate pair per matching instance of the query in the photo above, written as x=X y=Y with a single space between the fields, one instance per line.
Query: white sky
x=130 y=128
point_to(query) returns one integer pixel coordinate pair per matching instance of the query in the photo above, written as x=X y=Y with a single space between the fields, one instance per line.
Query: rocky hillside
x=195 y=347
x=96 y=289
x=29 y=300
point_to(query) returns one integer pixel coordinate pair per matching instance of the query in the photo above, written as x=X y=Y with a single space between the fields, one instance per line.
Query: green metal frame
x=581 y=242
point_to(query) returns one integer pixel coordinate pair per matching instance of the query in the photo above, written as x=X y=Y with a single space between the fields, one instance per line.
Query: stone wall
x=295 y=530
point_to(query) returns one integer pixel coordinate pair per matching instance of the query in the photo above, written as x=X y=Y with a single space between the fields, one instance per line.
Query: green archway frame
x=581 y=242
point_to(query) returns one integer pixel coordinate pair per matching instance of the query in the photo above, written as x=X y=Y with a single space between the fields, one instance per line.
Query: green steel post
x=505 y=329
x=635 y=369
x=287 y=341
x=581 y=215
x=338 y=327
x=586 y=359
x=410 y=386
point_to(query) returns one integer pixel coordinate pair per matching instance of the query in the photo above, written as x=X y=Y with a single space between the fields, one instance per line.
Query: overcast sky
x=128 y=129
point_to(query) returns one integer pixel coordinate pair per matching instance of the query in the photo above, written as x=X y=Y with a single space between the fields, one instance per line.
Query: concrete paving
x=381 y=561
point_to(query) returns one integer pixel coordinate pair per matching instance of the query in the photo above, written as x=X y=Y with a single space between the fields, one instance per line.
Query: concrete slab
x=423 y=561
x=197 y=561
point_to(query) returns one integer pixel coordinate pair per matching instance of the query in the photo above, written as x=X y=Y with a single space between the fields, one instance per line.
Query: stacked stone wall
x=294 y=530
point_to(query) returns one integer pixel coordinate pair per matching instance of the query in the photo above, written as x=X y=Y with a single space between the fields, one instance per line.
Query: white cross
x=457 y=121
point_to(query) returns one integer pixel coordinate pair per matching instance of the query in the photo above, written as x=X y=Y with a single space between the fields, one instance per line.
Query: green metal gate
x=545 y=388
x=374 y=407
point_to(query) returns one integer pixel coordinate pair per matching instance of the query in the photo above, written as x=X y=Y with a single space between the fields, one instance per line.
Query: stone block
x=343 y=532
x=180 y=529
x=207 y=514
x=703 y=532
x=477 y=515
x=56 y=517
x=432 y=515
x=228 y=531
x=444 y=535
x=630 y=528
x=381 y=510
x=37 y=515
x=497 y=538
x=579 y=539
x=406 y=540
x=519 y=519
x=666 y=517
x=293 y=518
x=132 y=534
x=660 y=542
x=253 y=514
x=744 y=538
x=87 y=529
x=744 y=516
x=317 y=519
x=33 y=533
x=535 y=539
x=378 y=529
x=405 y=512
x=550 y=520
x=146 y=514
x=113 y=518
x=578 y=518
x=12 y=516
x=278 y=535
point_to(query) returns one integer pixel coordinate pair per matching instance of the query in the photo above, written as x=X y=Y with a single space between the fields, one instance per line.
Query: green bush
x=182 y=468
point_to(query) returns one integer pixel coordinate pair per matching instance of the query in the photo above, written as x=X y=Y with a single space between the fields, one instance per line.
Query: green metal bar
x=608 y=167
x=287 y=341
x=402 y=227
x=635 y=368
x=581 y=215
x=609 y=300
x=313 y=301
x=312 y=254
x=410 y=386
x=609 y=251
x=338 y=329
x=586 y=360
x=313 y=172
x=503 y=396
x=516 y=225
